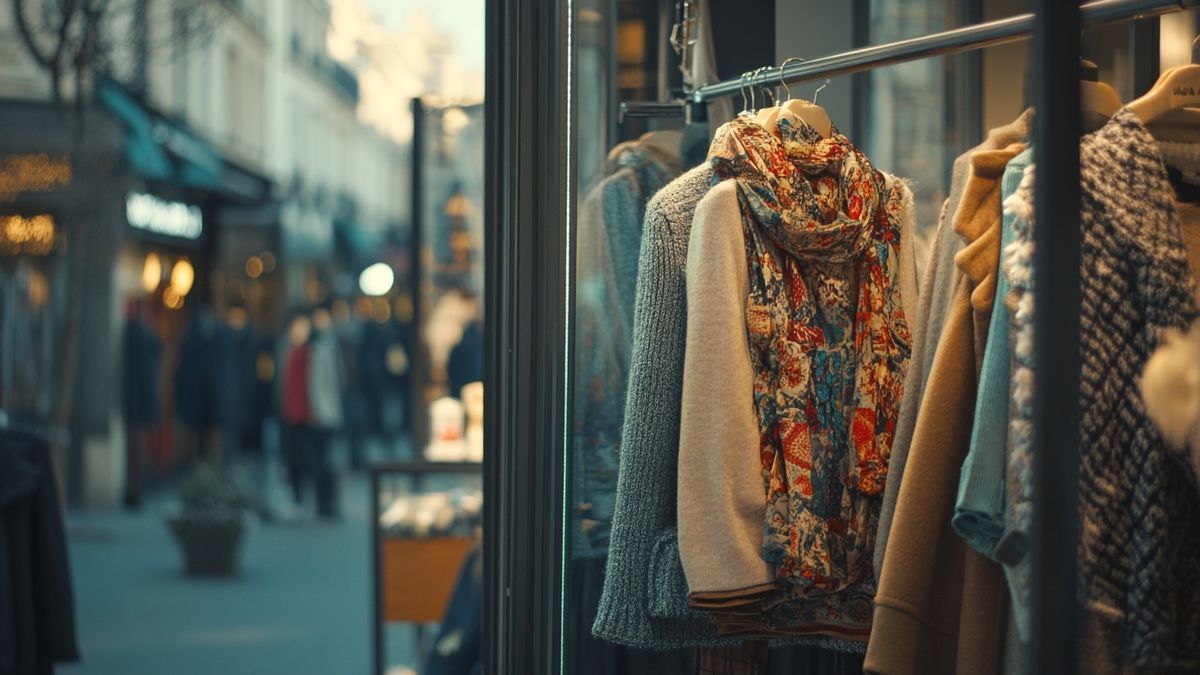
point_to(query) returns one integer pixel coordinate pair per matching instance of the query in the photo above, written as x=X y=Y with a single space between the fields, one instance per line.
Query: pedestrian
x=140 y=353
x=198 y=388
x=325 y=394
x=349 y=331
x=295 y=409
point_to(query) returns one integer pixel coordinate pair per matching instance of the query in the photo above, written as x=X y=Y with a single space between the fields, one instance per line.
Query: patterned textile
x=1139 y=549
x=1013 y=547
x=828 y=338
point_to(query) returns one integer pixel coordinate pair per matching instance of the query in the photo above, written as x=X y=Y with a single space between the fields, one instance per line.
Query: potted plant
x=210 y=520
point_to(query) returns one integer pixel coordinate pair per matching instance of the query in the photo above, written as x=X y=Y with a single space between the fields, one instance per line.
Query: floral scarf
x=828 y=340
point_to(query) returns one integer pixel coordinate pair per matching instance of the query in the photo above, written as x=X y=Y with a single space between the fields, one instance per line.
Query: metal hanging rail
x=967 y=38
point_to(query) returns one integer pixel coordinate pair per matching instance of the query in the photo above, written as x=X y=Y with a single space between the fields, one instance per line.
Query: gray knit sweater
x=609 y=233
x=644 y=603
x=644 y=520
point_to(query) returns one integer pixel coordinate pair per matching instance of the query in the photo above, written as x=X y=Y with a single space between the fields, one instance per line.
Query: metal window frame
x=525 y=349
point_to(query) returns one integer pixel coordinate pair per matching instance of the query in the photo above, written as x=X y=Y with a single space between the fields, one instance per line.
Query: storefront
x=63 y=212
x=161 y=268
x=32 y=240
x=608 y=549
x=120 y=182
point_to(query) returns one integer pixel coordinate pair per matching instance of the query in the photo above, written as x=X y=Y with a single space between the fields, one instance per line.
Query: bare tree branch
x=26 y=32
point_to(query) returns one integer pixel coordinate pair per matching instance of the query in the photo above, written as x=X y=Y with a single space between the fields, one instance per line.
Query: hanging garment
x=937 y=292
x=703 y=69
x=979 y=511
x=1139 y=509
x=718 y=414
x=748 y=658
x=1171 y=379
x=609 y=235
x=941 y=607
x=590 y=655
x=140 y=372
x=37 y=607
x=644 y=602
x=197 y=377
x=235 y=381
x=637 y=607
x=855 y=240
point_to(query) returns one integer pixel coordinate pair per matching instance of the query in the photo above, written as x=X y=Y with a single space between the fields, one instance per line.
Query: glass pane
x=617 y=168
x=640 y=186
x=240 y=269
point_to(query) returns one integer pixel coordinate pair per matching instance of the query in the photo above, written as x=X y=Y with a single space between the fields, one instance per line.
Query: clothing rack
x=1055 y=27
x=967 y=38
x=954 y=41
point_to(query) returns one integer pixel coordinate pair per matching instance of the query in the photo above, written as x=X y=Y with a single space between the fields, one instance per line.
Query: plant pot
x=210 y=542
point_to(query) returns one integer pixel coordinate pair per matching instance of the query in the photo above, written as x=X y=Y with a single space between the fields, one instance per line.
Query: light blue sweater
x=979 y=510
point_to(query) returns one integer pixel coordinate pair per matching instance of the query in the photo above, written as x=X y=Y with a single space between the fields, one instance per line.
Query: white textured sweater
x=720 y=487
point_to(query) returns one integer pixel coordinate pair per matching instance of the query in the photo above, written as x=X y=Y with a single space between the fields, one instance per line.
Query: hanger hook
x=742 y=91
x=768 y=96
x=818 y=91
x=782 y=80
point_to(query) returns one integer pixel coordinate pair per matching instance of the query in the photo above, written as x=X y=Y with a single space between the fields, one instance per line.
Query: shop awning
x=158 y=149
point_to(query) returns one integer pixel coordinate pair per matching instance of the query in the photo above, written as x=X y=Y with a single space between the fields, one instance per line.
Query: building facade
x=211 y=157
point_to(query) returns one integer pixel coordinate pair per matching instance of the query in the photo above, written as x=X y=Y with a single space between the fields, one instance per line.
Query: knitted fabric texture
x=644 y=602
x=645 y=501
x=609 y=235
x=1139 y=512
x=979 y=511
x=1171 y=390
x=1183 y=156
x=1013 y=547
x=828 y=341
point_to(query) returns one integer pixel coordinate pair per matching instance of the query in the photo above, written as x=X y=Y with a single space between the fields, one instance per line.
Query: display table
x=413 y=573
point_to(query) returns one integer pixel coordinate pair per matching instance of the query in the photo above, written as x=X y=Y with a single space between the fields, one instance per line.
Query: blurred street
x=300 y=605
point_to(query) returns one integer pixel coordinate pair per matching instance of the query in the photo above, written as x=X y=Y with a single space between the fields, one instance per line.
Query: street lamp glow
x=376 y=280
x=183 y=275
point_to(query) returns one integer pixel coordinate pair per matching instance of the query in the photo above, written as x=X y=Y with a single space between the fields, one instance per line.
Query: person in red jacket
x=296 y=408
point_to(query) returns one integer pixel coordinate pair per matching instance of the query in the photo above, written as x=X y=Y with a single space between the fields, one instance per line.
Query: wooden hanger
x=1181 y=124
x=1176 y=89
x=1169 y=109
x=813 y=114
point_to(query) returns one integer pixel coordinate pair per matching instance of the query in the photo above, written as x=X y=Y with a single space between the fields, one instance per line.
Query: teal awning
x=158 y=150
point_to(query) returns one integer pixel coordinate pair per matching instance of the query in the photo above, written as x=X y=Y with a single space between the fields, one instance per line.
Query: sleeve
x=721 y=499
x=980 y=505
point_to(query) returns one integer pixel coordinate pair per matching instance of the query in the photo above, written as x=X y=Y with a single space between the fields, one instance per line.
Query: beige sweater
x=721 y=501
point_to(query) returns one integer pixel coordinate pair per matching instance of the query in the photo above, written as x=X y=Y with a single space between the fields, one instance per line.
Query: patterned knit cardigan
x=1139 y=508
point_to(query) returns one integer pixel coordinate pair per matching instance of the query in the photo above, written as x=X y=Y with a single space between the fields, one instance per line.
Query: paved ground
x=301 y=605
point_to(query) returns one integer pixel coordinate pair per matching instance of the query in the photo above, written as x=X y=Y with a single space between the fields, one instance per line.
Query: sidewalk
x=300 y=606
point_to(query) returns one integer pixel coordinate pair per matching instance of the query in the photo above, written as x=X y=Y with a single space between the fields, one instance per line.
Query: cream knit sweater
x=721 y=500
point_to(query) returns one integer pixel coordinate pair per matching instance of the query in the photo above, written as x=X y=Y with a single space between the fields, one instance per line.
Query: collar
x=978 y=221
